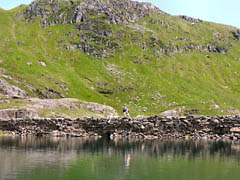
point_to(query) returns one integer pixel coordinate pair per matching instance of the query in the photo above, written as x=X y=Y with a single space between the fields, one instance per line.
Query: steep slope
x=121 y=52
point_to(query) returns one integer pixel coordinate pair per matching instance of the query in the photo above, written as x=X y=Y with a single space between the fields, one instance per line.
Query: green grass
x=13 y=104
x=187 y=80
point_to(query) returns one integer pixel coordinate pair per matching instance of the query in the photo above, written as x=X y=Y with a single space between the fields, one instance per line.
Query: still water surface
x=88 y=159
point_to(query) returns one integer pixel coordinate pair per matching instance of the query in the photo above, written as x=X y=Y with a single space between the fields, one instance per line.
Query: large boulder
x=11 y=91
x=171 y=113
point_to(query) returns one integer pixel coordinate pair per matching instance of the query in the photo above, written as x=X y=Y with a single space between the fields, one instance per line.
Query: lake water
x=89 y=159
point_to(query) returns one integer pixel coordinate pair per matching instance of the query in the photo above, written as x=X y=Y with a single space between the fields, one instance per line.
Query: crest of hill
x=68 y=12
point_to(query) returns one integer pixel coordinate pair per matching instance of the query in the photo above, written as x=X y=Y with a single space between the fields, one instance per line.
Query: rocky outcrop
x=236 y=34
x=97 y=45
x=11 y=91
x=195 y=127
x=64 y=107
x=113 y=11
x=92 y=19
x=158 y=47
x=8 y=114
x=191 y=19
x=99 y=110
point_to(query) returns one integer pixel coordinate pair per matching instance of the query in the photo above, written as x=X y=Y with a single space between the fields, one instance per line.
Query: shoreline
x=189 y=127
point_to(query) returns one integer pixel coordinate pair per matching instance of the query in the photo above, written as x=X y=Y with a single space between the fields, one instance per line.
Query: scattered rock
x=170 y=113
x=20 y=43
x=31 y=88
x=113 y=69
x=140 y=117
x=160 y=96
x=69 y=48
x=121 y=88
x=54 y=93
x=233 y=111
x=29 y=63
x=137 y=62
x=216 y=106
x=236 y=35
x=40 y=93
x=5 y=101
x=42 y=63
x=187 y=18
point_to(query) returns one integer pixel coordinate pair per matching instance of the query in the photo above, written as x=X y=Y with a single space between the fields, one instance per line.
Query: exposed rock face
x=33 y=105
x=93 y=19
x=187 y=18
x=196 y=127
x=8 y=114
x=97 y=108
x=107 y=46
x=236 y=34
x=11 y=91
x=70 y=103
x=114 y=11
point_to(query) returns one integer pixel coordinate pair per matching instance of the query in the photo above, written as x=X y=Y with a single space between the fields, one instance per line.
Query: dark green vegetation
x=122 y=52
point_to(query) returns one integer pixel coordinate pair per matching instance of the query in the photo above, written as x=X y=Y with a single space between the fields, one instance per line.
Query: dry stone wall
x=195 y=127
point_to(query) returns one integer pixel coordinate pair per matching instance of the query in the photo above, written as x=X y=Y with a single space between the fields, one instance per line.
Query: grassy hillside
x=159 y=63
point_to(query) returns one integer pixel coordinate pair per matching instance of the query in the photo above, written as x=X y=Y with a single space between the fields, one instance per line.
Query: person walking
x=125 y=111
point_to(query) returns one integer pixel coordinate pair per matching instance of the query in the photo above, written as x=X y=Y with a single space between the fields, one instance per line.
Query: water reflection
x=125 y=147
x=21 y=156
x=127 y=160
